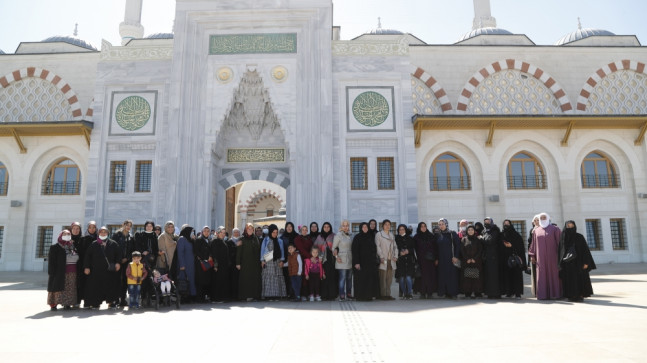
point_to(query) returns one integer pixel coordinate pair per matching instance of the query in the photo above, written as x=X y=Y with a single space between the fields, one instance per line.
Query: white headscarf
x=546 y=222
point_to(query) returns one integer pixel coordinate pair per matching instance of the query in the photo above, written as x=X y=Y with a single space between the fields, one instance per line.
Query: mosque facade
x=168 y=126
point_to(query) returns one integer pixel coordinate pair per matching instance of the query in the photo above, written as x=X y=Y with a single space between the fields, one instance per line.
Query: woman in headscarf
x=203 y=264
x=304 y=243
x=146 y=244
x=272 y=257
x=341 y=247
x=512 y=277
x=449 y=249
x=287 y=238
x=81 y=249
x=102 y=265
x=372 y=226
x=186 y=259
x=220 y=282
x=62 y=267
x=472 y=269
x=323 y=242
x=247 y=263
x=427 y=252
x=365 y=263
x=232 y=244
x=314 y=231
x=406 y=270
x=388 y=253
x=575 y=264
x=167 y=244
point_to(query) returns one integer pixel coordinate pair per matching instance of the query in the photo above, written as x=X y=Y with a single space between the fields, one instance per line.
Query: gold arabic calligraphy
x=253 y=43
x=370 y=109
x=133 y=113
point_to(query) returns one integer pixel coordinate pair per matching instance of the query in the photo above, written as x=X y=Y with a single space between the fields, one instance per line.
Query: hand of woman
x=334 y=253
x=533 y=259
x=117 y=267
x=357 y=267
x=238 y=267
x=307 y=277
x=507 y=244
x=585 y=266
x=281 y=264
x=182 y=268
x=436 y=263
x=86 y=271
x=263 y=264
x=454 y=259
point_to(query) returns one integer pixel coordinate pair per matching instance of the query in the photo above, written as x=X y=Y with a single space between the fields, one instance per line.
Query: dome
x=70 y=40
x=160 y=36
x=581 y=34
x=484 y=31
x=382 y=31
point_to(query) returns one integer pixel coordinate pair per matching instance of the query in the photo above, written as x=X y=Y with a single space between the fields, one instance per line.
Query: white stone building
x=168 y=126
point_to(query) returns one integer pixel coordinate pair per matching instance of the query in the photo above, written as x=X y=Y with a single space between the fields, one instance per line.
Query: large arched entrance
x=257 y=202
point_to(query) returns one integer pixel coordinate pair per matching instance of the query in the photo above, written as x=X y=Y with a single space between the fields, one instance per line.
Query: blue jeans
x=345 y=282
x=295 y=281
x=133 y=293
x=406 y=285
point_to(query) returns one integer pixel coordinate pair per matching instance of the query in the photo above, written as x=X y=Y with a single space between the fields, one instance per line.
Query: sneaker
x=318 y=298
x=341 y=298
x=53 y=308
x=312 y=298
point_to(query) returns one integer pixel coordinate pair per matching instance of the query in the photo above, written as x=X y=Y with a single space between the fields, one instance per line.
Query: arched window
x=448 y=172
x=599 y=172
x=63 y=178
x=525 y=172
x=4 y=179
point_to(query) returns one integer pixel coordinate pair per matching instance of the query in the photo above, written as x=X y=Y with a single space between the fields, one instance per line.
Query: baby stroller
x=155 y=296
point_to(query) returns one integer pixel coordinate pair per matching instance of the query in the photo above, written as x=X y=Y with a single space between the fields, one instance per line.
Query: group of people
x=309 y=264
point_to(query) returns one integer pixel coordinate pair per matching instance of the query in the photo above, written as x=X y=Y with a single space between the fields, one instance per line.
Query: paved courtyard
x=611 y=326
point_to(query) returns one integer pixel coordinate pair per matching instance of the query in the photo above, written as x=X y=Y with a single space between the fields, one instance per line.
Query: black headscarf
x=406 y=230
x=324 y=234
x=313 y=235
x=568 y=234
x=419 y=231
x=478 y=226
x=288 y=237
x=186 y=232
x=276 y=248
x=374 y=231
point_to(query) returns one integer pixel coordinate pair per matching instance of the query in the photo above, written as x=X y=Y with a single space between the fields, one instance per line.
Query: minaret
x=131 y=27
x=483 y=15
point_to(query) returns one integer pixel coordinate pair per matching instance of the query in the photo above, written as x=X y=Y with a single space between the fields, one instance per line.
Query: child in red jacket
x=314 y=274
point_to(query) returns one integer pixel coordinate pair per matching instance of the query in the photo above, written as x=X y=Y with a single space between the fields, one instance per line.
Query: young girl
x=164 y=281
x=314 y=274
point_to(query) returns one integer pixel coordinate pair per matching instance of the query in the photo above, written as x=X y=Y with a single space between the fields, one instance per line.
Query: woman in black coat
x=575 y=264
x=511 y=277
x=61 y=285
x=102 y=265
x=365 y=262
x=427 y=252
x=406 y=265
x=220 y=279
x=81 y=248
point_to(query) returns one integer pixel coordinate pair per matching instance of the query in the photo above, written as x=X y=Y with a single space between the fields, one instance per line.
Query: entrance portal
x=257 y=202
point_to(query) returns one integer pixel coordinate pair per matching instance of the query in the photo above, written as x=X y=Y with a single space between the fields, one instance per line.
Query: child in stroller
x=163 y=285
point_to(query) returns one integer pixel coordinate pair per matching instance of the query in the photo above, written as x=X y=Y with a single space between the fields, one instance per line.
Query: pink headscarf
x=61 y=241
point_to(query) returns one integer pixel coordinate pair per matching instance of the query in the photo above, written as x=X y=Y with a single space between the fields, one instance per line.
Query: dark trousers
x=315 y=284
x=295 y=282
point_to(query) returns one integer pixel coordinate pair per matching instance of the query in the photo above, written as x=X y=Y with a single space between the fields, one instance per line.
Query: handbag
x=112 y=267
x=182 y=284
x=570 y=255
x=268 y=256
x=514 y=261
x=206 y=265
x=471 y=272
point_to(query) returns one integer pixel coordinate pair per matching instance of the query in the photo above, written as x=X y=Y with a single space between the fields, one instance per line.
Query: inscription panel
x=255 y=155
x=253 y=43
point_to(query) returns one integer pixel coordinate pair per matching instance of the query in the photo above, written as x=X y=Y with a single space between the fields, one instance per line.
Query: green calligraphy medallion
x=370 y=109
x=133 y=113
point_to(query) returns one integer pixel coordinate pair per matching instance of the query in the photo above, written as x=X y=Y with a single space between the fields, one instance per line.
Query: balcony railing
x=61 y=188
x=450 y=183
x=527 y=182
x=600 y=181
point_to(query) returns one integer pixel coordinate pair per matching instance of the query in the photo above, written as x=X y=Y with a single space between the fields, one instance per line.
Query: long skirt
x=68 y=295
x=272 y=280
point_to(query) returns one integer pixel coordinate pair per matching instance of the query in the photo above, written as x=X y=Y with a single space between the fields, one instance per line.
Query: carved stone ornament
x=375 y=47
x=110 y=52
x=251 y=108
x=224 y=74
x=279 y=74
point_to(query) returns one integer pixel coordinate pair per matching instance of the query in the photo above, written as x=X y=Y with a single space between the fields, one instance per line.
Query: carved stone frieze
x=375 y=47
x=110 y=52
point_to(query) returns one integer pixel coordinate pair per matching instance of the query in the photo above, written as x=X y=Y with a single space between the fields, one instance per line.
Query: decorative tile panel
x=253 y=43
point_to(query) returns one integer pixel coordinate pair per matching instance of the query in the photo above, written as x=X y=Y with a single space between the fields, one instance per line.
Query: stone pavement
x=611 y=326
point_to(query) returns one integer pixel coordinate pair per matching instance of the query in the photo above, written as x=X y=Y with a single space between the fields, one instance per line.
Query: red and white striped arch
x=596 y=77
x=435 y=87
x=64 y=87
x=538 y=73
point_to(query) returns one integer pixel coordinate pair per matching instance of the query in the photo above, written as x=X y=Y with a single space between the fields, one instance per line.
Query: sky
x=433 y=21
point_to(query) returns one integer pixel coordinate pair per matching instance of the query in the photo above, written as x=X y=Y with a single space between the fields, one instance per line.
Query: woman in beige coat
x=167 y=243
x=387 y=250
x=341 y=247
